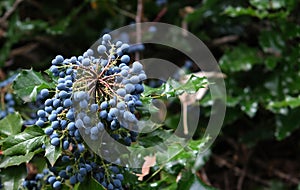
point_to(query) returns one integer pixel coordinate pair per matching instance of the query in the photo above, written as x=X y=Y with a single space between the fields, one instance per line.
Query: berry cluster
x=95 y=93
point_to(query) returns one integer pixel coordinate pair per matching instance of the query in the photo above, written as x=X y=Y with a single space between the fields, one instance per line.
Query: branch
x=160 y=14
x=138 y=20
x=225 y=39
x=9 y=12
x=222 y=162
x=278 y=173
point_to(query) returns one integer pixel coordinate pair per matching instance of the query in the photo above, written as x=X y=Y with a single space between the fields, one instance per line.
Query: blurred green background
x=256 y=42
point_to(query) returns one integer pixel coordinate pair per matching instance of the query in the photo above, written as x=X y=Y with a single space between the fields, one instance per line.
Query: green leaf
x=89 y=183
x=292 y=102
x=12 y=177
x=239 y=11
x=149 y=141
x=52 y=153
x=173 y=88
x=16 y=160
x=272 y=42
x=28 y=83
x=39 y=161
x=286 y=124
x=60 y=27
x=11 y=125
x=29 y=140
x=254 y=12
x=191 y=181
x=240 y=58
x=249 y=107
x=267 y=4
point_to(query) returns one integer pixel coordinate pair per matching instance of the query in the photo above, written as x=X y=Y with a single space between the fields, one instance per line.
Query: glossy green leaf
x=11 y=125
x=12 y=177
x=16 y=160
x=28 y=83
x=52 y=153
x=29 y=140
x=173 y=88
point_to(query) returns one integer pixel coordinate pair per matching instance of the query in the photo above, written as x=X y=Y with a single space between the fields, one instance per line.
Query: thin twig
x=160 y=14
x=204 y=176
x=226 y=181
x=138 y=20
x=278 y=173
x=9 y=12
x=124 y=12
x=225 y=39
x=245 y=168
x=238 y=171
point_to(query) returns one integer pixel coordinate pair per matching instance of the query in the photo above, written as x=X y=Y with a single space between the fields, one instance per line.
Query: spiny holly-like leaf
x=52 y=153
x=11 y=125
x=29 y=140
x=28 y=83
x=173 y=88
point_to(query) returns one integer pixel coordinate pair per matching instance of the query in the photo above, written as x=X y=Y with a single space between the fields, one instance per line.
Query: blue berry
x=117 y=183
x=94 y=130
x=129 y=88
x=137 y=67
x=101 y=49
x=106 y=37
x=44 y=93
x=67 y=103
x=59 y=59
x=80 y=178
x=134 y=79
x=83 y=104
x=73 y=180
x=82 y=171
x=86 y=62
x=40 y=123
x=49 y=131
x=94 y=107
x=56 y=185
x=103 y=105
x=55 y=141
x=66 y=145
x=51 y=179
x=120 y=177
x=121 y=92
x=41 y=113
x=125 y=58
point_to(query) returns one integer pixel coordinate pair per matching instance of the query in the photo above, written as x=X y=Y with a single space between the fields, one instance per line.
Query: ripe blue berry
x=44 y=93
x=125 y=58
x=55 y=141
x=101 y=49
